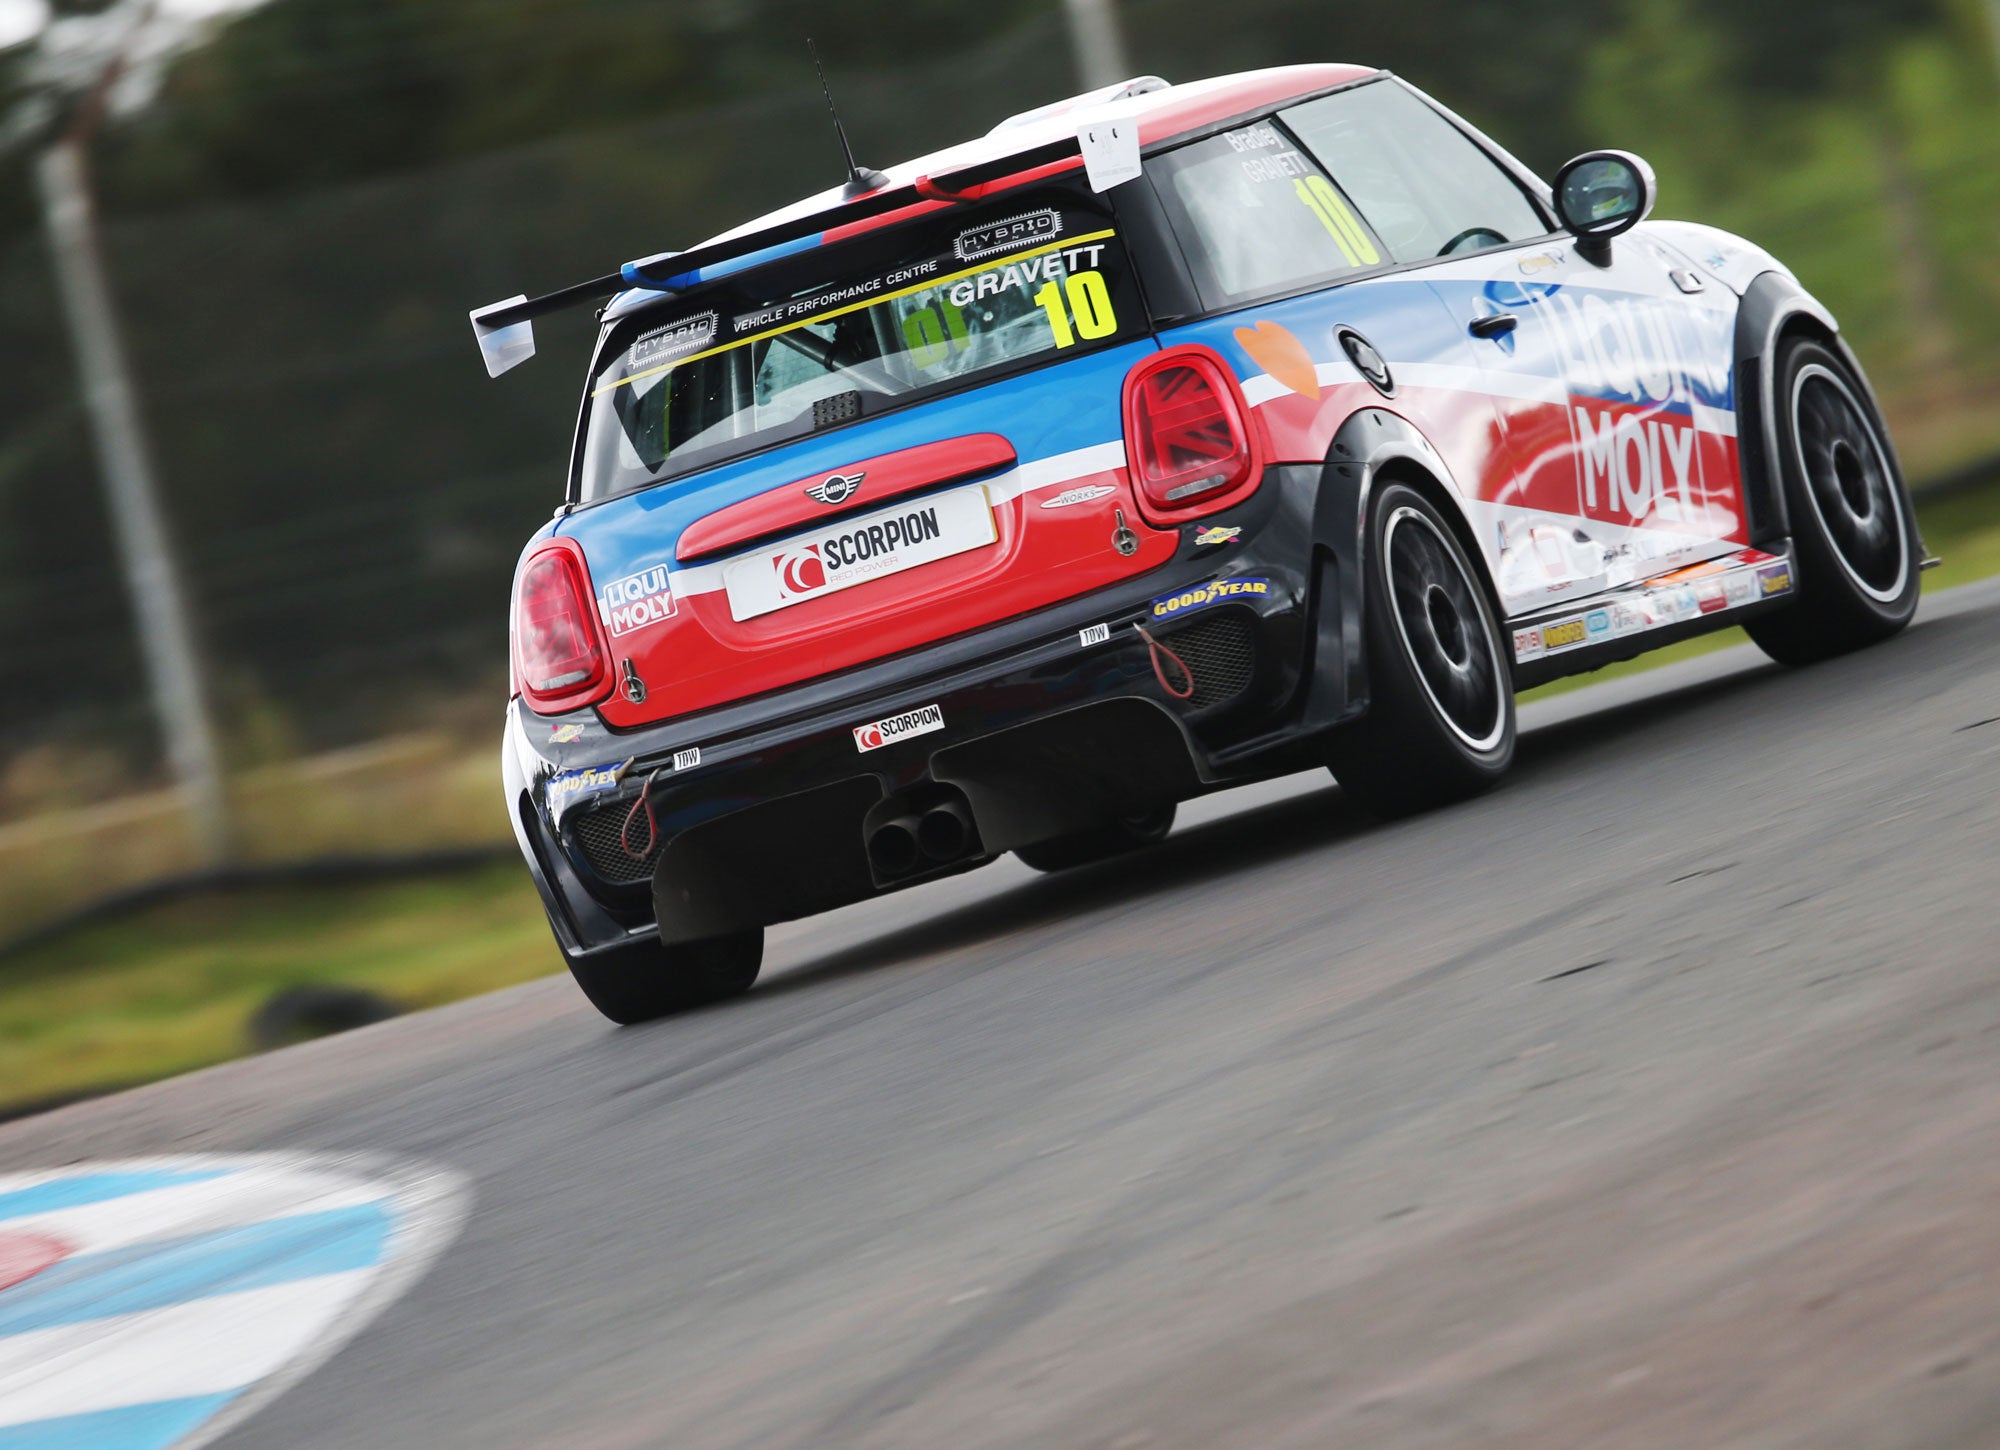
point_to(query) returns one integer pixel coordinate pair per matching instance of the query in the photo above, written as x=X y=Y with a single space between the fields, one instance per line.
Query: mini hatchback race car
x=1161 y=440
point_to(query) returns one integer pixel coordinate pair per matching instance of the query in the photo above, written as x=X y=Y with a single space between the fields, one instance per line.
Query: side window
x=1255 y=216
x=1421 y=183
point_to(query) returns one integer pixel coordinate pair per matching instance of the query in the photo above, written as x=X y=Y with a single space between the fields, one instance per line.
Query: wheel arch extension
x=1775 y=310
x=1376 y=446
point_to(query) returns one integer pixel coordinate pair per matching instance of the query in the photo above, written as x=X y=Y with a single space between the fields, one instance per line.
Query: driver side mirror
x=1601 y=194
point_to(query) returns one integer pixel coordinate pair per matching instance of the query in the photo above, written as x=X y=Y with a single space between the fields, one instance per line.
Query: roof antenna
x=860 y=179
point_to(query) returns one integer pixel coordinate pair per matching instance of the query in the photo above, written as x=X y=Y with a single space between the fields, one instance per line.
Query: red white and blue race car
x=1158 y=441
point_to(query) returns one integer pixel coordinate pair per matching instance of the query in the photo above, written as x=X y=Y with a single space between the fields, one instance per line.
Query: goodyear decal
x=588 y=781
x=1216 y=591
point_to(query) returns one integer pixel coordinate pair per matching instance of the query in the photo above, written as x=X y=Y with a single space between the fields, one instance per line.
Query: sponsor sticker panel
x=878 y=733
x=1692 y=593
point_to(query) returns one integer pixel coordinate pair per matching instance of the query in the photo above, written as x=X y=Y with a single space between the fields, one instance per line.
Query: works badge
x=638 y=600
x=920 y=721
x=1216 y=591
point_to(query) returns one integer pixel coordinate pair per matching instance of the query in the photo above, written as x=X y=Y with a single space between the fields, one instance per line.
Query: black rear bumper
x=1044 y=731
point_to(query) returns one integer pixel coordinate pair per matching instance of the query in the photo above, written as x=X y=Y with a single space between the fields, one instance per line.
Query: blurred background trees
x=303 y=198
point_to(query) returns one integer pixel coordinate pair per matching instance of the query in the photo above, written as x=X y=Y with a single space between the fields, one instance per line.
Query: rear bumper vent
x=595 y=835
x=1221 y=654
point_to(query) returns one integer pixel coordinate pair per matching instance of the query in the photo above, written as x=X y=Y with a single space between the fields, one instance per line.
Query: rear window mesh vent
x=1221 y=654
x=596 y=836
x=836 y=409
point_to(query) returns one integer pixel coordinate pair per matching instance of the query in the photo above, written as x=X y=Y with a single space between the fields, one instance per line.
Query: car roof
x=1163 y=113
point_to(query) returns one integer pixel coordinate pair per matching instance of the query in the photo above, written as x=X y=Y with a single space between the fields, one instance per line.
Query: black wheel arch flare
x=1374 y=445
x=1775 y=309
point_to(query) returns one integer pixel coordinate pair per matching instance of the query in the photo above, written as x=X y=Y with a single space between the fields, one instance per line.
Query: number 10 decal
x=1088 y=301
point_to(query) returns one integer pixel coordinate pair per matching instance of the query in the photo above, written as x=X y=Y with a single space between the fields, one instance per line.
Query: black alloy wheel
x=1854 y=533
x=1440 y=721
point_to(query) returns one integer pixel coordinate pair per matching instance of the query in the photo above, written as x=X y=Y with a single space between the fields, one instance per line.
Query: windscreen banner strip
x=876 y=300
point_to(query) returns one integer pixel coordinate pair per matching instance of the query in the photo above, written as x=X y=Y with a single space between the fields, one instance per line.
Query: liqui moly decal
x=1644 y=378
x=878 y=733
x=638 y=600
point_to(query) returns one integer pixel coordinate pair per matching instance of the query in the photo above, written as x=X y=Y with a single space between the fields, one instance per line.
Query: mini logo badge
x=837 y=488
x=921 y=721
x=1077 y=495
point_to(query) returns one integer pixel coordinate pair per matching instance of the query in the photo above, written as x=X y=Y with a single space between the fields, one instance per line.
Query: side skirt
x=1582 y=635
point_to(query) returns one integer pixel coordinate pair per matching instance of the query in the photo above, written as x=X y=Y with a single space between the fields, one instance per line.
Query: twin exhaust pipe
x=935 y=837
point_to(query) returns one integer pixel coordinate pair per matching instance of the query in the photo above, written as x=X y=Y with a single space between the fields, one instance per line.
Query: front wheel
x=644 y=980
x=1440 y=721
x=1854 y=534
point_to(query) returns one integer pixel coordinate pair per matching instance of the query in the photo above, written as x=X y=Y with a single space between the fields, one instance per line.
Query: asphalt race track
x=1649 y=1101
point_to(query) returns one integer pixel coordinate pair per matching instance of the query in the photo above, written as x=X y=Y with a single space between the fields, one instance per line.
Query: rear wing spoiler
x=1108 y=150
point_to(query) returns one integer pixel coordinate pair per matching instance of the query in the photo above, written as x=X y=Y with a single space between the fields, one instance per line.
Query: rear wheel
x=644 y=980
x=1100 y=843
x=1853 y=532
x=1440 y=721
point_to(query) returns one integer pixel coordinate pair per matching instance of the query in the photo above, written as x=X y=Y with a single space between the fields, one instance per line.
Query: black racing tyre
x=1100 y=843
x=1854 y=534
x=644 y=980
x=1440 y=721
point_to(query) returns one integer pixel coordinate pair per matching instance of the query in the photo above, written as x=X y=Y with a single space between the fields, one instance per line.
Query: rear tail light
x=559 y=657
x=1188 y=437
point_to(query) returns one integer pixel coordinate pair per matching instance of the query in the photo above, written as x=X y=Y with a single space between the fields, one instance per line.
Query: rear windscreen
x=854 y=329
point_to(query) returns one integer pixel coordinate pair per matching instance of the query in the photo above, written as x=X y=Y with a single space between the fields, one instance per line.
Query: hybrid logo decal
x=1004 y=236
x=921 y=721
x=638 y=600
x=838 y=488
x=676 y=340
x=1216 y=591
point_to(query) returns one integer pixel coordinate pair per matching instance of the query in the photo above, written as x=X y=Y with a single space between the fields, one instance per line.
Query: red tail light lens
x=1187 y=434
x=559 y=659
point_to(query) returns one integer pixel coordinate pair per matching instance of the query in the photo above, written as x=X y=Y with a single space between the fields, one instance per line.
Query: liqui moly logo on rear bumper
x=638 y=600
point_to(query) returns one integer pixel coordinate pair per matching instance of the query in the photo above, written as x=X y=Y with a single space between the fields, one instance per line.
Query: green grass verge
x=173 y=988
